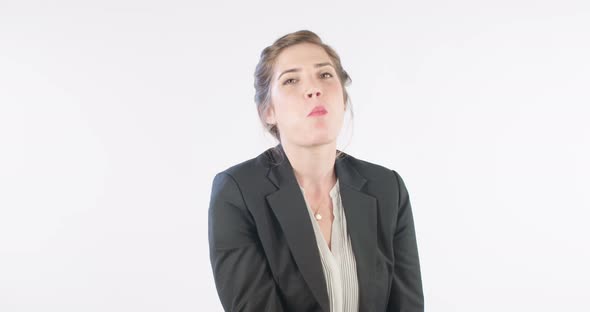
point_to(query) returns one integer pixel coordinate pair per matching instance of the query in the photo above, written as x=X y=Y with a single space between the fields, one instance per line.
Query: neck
x=313 y=165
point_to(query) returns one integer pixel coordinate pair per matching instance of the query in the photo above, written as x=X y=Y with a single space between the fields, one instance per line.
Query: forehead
x=302 y=54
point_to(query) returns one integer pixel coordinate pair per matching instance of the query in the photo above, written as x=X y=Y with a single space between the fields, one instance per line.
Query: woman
x=304 y=226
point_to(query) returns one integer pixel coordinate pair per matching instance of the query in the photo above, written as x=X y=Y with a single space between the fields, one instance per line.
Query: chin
x=314 y=137
x=322 y=140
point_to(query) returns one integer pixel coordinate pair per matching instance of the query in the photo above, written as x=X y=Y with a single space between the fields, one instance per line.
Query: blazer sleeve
x=406 y=290
x=240 y=268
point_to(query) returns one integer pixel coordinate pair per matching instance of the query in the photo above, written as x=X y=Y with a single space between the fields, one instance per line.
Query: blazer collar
x=288 y=204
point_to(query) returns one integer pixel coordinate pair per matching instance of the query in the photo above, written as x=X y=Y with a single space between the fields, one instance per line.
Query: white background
x=115 y=116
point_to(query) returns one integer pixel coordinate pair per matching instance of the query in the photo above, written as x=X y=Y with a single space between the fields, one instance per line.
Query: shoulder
x=372 y=171
x=248 y=171
x=257 y=168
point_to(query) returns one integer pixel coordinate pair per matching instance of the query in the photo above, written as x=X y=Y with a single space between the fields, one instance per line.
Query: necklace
x=317 y=214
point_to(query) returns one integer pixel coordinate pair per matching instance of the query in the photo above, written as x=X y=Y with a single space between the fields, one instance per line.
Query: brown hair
x=264 y=72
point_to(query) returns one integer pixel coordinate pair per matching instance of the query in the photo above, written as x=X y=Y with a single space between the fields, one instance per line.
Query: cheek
x=283 y=96
x=286 y=100
x=337 y=88
x=334 y=89
x=287 y=111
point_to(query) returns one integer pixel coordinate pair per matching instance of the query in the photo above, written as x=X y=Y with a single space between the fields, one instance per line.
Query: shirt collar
x=333 y=192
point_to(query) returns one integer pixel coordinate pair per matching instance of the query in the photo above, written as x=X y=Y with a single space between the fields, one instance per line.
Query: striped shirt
x=339 y=264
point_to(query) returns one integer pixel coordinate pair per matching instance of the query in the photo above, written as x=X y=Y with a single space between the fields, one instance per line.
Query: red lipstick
x=319 y=110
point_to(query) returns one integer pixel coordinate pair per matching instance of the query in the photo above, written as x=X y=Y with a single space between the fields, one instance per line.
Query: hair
x=265 y=68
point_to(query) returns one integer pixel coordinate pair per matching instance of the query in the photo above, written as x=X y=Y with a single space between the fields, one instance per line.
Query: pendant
x=318 y=216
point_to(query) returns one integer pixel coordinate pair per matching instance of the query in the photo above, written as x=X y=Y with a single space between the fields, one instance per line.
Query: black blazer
x=263 y=249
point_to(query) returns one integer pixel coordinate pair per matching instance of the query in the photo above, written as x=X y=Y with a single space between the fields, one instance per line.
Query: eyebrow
x=293 y=70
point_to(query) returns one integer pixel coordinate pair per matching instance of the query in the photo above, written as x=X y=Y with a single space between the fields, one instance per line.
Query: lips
x=318 y=111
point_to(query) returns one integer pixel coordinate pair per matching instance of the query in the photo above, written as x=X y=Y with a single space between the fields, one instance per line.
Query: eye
x=286 y=82
x=329 y=75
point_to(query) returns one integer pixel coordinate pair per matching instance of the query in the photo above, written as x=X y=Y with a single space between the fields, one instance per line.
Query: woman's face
x=303 y=78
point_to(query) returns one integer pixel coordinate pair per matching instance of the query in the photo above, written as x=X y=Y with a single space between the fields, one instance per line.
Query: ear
x=269 y=115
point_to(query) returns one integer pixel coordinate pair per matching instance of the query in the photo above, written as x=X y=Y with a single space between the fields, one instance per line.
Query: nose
x=312 y=92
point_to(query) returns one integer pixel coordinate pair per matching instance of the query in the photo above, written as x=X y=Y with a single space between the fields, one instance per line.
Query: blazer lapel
x=288 y=205
x=361 y=222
